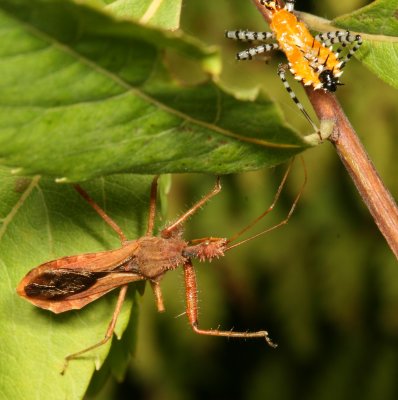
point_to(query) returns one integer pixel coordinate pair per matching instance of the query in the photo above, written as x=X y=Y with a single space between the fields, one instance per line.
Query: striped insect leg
x=281 y=72
x=244 y=35
x=253 y=51
x=345 y=38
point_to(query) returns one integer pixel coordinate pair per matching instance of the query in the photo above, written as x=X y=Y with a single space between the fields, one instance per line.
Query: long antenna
x=270 y=208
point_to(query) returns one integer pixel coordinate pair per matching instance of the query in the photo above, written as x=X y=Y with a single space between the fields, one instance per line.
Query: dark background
x=325 y=286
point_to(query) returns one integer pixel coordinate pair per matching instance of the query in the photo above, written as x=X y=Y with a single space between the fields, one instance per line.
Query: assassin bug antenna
x=311 y=60
x=270 y=208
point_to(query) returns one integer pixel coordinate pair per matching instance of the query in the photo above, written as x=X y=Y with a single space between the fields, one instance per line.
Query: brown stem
x=354 y=157
x=361 y=169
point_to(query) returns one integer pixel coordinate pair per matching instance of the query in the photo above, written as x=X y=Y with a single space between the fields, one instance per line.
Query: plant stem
x=355 y=159
x=361 y=169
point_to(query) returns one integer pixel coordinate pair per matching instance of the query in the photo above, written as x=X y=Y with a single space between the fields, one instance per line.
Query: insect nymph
x=72 y=282
x=311 y=59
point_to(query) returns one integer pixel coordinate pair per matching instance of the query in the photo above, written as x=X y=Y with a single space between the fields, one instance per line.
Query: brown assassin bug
x=72 y=282
x=311 y=60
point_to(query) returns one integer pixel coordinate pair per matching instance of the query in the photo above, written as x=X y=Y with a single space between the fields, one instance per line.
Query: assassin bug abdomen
x=311 y=59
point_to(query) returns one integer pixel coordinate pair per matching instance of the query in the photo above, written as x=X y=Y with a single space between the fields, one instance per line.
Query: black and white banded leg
x=281 y=72
x=254 y=51
x=345 y=38
x=248 y=36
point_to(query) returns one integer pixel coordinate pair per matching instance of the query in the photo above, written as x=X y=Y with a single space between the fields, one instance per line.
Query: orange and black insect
x=311 y=60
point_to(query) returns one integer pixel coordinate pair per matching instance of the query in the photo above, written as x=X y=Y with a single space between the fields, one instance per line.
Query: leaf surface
x=86 y=94
x=161 y=13
x=40 y=221
x=378 y=24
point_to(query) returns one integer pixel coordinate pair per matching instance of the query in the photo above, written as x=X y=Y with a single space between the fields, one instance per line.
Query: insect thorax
x=155 y=255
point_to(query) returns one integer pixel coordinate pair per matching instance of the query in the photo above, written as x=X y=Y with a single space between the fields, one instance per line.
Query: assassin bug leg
x=158 y=296
x=108 y=334
x=152 y=206
x=281 y=72
x=191 y=294
x=169 y=231
x=101 y=213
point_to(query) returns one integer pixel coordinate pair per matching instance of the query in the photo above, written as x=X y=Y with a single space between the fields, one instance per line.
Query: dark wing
x=61 y=283
x=72 y=282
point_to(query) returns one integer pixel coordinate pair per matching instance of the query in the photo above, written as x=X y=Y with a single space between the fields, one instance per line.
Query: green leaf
x=378 y=24
x=160 y=13
x=40 y=221
x=85 y=94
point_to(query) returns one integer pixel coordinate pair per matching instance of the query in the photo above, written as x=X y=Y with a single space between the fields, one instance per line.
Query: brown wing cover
x=69 y=283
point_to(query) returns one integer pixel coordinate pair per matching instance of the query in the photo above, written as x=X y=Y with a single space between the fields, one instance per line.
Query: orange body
x=307 y=57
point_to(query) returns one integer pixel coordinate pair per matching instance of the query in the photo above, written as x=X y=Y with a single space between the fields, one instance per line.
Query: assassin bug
x=311 y=60
x=72 y=282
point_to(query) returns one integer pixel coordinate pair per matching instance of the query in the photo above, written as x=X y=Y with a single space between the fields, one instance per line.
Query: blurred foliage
x=325 y=286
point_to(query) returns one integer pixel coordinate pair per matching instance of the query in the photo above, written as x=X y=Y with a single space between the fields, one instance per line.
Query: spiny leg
x=168 y=232
x=281 y=223
x=281 y=72
x=345 y=38
x=191 y=293
x=101 y=213
x=108 y=334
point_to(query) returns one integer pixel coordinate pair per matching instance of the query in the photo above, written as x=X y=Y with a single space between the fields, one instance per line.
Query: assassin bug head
x=206 y=249
x=329 y=81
